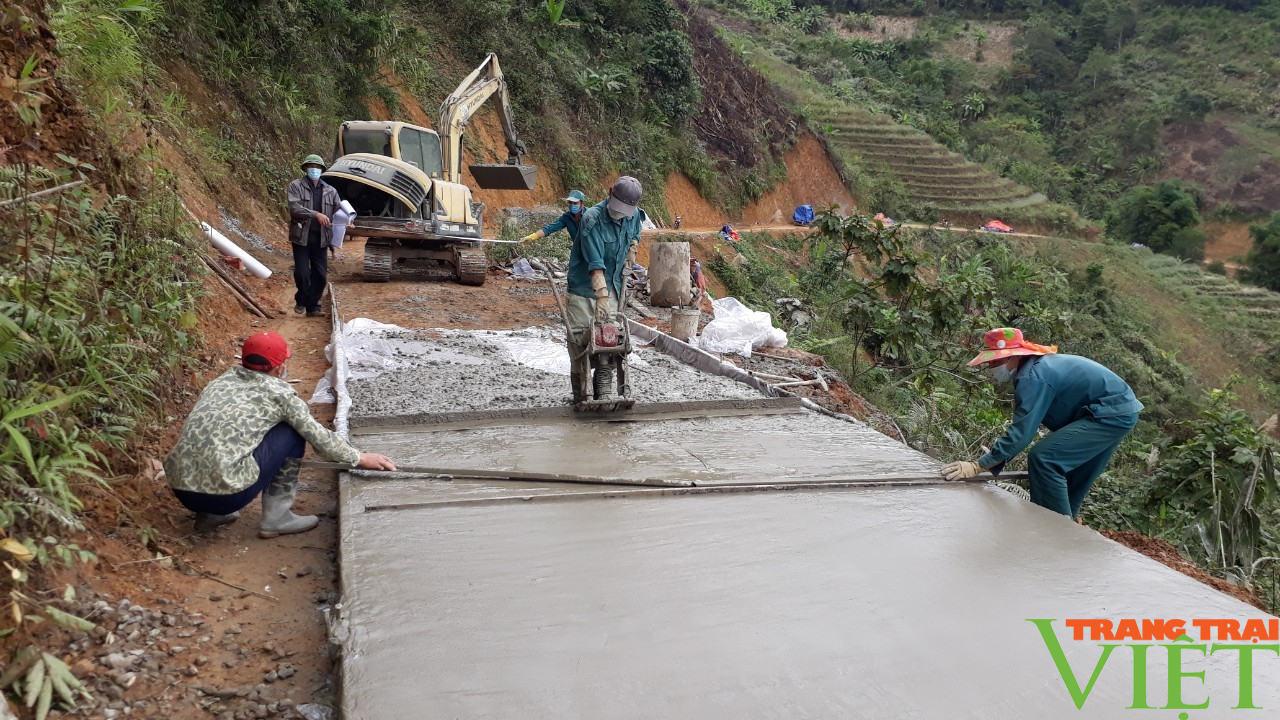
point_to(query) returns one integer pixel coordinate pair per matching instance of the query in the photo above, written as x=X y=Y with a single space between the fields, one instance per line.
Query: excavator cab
x=415 y=145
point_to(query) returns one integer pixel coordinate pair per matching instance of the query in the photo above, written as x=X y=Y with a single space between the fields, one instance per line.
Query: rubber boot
x=208 y=522
x=603 y=381
x=277 y=505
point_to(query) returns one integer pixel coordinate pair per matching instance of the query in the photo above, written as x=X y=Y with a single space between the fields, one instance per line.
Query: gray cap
x=625 y=195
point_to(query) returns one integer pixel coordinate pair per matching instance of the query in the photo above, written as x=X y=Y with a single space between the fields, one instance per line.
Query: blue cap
x=576 y=196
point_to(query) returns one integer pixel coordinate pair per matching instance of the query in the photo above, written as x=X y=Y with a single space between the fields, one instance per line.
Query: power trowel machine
x=598 y=372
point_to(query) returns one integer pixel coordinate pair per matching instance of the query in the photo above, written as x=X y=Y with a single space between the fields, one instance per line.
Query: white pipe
x=226 y=247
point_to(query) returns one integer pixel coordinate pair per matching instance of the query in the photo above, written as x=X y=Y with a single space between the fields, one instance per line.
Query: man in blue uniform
x=570 y=219
x=604 y=247
x=1087 y=408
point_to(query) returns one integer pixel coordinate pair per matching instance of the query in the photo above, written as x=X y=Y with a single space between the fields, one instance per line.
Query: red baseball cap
x=264 y=351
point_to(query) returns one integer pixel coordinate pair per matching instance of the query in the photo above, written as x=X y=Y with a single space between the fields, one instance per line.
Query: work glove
x=631 y=257
x=602 y=310
x=602 y=296
x=529 y=238
x=962 y=470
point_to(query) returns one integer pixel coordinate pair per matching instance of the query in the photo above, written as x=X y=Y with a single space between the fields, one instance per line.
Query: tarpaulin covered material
x=739 y=329
x=997 y=226
x=803 y=215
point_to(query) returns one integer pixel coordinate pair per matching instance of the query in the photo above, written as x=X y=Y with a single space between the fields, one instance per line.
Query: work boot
x=208 y=522
x=277 y=505
x=603 y=381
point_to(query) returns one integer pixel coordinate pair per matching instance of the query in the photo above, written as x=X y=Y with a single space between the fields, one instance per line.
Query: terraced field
x=930 y=171
x=1251 y=311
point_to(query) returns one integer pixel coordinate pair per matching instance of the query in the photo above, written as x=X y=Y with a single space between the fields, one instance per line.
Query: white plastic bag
x=739 y=329
x=341 y=219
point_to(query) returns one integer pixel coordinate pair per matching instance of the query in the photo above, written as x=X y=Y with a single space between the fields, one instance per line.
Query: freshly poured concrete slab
x=773 y=448
x=865 y=603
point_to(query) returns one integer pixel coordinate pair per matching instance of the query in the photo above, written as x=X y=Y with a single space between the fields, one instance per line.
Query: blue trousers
x=280 y=444
x=1064 y=465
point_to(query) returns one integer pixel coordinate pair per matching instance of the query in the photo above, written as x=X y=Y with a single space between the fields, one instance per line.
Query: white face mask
x=1004 y=373
x=615 y=214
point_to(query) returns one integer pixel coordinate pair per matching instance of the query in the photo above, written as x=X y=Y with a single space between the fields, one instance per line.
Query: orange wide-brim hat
x=1008 y=342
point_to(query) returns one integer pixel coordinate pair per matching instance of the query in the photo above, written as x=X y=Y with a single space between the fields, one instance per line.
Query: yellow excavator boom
x=457 y=109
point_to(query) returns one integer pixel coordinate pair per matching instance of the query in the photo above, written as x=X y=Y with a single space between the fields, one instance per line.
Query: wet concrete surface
x=809 y=604
x=500 y=599
x=769 y=448
x=456 y=371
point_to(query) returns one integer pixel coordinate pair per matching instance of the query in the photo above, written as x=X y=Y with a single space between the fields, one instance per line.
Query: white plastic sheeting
x=367 y=351
x=738 y=329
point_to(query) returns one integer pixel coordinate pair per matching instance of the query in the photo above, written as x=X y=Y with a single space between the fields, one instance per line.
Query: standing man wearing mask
x=604 y=246
x=1087 y=408
x=570 y=220
x=312 y=202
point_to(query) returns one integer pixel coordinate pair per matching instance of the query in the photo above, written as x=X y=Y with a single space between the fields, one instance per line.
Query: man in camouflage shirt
x=245 y=434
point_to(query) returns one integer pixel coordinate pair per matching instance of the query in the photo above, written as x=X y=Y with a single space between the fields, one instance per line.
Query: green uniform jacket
x=1057 y=390
x=602 y=244
x=214 y=454
x=566 y=221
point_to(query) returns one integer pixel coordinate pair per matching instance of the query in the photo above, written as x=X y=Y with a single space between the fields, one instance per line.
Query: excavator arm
x=456 y=111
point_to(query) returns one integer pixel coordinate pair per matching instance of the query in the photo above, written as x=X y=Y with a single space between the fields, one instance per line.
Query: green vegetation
x=98 y=297
x=1163 y=217
x=96 y=314
x=1264 y=259
x=597 y=85
x=1072 y=102
x=900 y=314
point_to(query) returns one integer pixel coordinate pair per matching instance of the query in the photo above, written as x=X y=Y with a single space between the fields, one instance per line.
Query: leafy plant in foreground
x=1222 y=475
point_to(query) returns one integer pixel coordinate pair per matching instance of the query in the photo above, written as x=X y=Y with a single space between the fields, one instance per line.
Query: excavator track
x=471 y=265
x=377 y=261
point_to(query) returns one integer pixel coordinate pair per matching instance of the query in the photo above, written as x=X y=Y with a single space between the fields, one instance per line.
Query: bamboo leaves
x=37 y=676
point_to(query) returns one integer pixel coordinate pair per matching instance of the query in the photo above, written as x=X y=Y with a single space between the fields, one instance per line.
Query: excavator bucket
x=500 y=176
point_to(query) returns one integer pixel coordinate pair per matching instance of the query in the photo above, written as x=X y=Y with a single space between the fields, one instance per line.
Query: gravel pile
x=475 y=371
x=141 y=662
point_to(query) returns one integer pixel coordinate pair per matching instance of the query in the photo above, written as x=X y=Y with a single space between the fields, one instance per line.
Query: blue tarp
x=803 y=215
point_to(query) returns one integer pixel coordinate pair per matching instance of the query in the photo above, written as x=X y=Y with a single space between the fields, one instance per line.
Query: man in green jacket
x=244 y=438
x=312 y=204
x=570 y=219
x=604 y=247
x=1087 y=408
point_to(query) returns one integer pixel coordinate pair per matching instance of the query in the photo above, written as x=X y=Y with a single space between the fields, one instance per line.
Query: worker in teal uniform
x=570 y=219
x=1088 y=409
x=604 y=246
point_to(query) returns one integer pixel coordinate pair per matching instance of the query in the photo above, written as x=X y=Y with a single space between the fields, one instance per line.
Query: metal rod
x=510 y=475
x=864 y=484
x=797 y=482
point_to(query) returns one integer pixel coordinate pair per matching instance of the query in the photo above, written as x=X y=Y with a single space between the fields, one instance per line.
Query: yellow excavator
x=405 y=182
